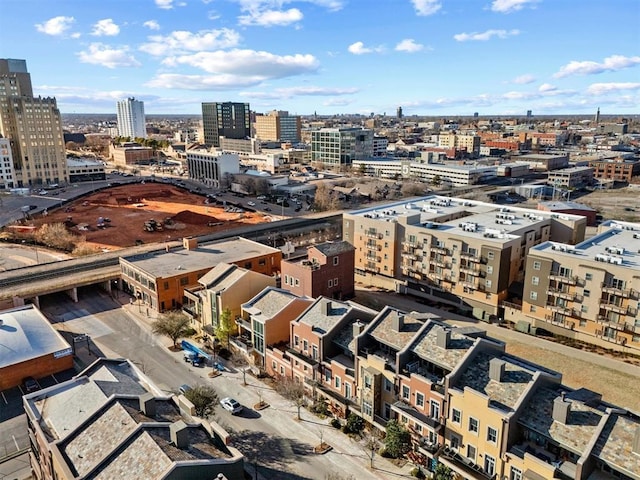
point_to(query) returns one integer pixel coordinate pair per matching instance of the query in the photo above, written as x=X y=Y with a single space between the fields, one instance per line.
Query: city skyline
x=432 y=57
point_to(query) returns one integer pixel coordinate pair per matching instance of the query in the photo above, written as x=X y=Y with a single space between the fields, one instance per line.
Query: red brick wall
x=13 y=375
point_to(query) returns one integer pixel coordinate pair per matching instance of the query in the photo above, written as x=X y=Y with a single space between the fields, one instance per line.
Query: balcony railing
x=615 y=308
x=371 y=234
x=622 y=292
x=443 y=250
x=373 y=246
x=570 y=280
x=464 y=465
x=571 y=296
x=561 y=309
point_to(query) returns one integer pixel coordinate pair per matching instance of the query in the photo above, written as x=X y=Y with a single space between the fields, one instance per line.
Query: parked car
x=30 y=384
x=261 y=197
x=184 y=388
x=251 y=204
x=231 y=405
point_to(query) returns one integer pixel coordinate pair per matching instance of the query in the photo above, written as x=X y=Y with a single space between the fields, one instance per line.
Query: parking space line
x=4 y=398
x=16 y=442
x=54 y=377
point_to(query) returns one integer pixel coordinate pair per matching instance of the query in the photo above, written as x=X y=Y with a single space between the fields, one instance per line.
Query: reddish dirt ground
x=128 y=207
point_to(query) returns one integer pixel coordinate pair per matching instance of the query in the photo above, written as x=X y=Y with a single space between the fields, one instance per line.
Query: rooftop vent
x=561 y=409
x=496 y=369
x=326 y=307
x=148 y=404
x=358 y=328
x=179 y=432
x=443 y=337
x=397 y=322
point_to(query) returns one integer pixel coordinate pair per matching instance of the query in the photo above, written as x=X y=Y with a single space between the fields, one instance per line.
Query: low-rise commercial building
x=571 y=178
x=622 y=170
x=30 y=347
x=211 y=168
x=544 y=162
x=159 y=280
x=85 y=170
x=130 y=154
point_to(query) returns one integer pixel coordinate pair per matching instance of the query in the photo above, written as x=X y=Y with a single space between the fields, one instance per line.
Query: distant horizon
x=435 y=58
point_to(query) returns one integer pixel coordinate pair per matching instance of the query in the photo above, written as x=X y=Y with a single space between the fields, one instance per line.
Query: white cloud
x=257 y=64
x=358 y=48
x=285 y=93
x=105 y=27
x=609 y=64
x=524 y=79
x=56 y=25
x=409 y=45
x=508 y=6
x=604 y=88
x=183 y=41
x=547 y=87
x=484 y=36
x=100 y=54
x=270 y=18
x=213 y=15
x=337 y=102
x=425 y=8
x=164 y=4
x=204 y=82
x=152 y=25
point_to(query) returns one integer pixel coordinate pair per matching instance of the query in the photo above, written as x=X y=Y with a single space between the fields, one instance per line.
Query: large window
x=489 y=465
x=492 y=435
x=419 y=399
x=471 y=452
x=406 y=392
x=456 y=415
x=473 y=425
x=515 y=474
x=366 y=408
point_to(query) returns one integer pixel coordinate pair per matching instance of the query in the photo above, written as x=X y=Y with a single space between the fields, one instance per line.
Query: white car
x=231 y=405
x=251 y=204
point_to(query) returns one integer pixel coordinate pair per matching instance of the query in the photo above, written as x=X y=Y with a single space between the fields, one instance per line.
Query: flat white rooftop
x=25 y=334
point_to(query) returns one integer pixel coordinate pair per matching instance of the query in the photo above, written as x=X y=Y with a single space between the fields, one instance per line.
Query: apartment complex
x=467 y=404
x=455 y=141
x=110 y=421
x=278 y=126
x=159 y=280
x=33 y=126
x=337 y=148
x=131 y=121
x=225 y=119
x=130 y=153
x=212 y=167
x=327 y=270
x=589 y=291
x=462 y=252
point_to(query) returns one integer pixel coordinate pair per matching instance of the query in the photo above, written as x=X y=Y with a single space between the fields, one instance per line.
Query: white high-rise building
x=131 y=121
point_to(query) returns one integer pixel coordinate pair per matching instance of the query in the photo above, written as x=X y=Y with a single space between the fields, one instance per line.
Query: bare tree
x=240 y=361
x=291 y=390
x=173 y=324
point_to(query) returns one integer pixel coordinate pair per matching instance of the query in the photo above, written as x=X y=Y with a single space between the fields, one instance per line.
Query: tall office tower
x=399 y=113
x=33 y=127
x=278 y=125
x=529 y=114
x=337 y=148
x=131 y=121
x=225 y=119
x=597 y=119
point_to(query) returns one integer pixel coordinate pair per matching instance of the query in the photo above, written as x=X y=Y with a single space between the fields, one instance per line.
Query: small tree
x=442 y=472
x=240 y=361
x=204 y=399
x=354 y=425
x=226 y=326
x=397 y=440
x=173 y=324
x=371 y=445
x=291 y=390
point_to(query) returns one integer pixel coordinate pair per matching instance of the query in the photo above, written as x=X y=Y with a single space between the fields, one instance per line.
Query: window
x=489 y=269
x=406 y=392
x=338 y=382
x=489 y=465
x=273 y=365
x=471 y=452
x=330 y=283
x=335 y=282
x=403 y=419
x=537 y=265
x=305 y=345
x=388 y=386
x=533 y=295
x=456 y=415
x=492 y=435
x=516 y=474
x=584 y=308
x=314 y=355
x=262 y=262
x=286 y=279
x=367 y=381
x=327 y=376
x=455 y=442
x=488 y=283
x=366 y=409
x=473 y=425
x=335 y=260
x=587 y=293
x=184 y=281
x=297 y=282
x=248 y=265
x=281 y=370
x=535 y=280
x=296 y=340
x=490 y=255
x=419 y=399
x=532 y=308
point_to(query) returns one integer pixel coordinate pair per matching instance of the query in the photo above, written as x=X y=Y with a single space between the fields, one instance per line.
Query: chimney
x=148 y=404
x=443 y=337
x=635 y=447
x=496 y=369
x=561 y=409
x=397 y=322
x=327 y=307
x=190 y=243
x=358 y=328
x=179 y=432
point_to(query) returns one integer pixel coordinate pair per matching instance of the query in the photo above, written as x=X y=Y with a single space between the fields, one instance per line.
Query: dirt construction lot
x=124 y=210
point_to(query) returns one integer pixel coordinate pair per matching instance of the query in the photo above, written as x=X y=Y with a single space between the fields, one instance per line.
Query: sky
x=432 y=57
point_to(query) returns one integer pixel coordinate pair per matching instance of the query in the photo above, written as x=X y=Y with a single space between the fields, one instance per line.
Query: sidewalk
x=284 y=414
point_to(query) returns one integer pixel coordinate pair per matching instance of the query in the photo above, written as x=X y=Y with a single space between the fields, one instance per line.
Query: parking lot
x=13 y=422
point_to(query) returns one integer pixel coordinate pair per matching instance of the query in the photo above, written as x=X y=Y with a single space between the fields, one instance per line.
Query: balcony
x=463 y=465
x=414 y=414
x=190 y=311
x=438 y=249
x=615 y=308
x=473 y=257
x=441 y=263
x=242 y=343
x=373 y=258
x=373 y=246
x=632 y=327
x=372 y=234
x=412 y=245
x=554 y=292
x=622 y=292
x=569 y=280
x=563 y=309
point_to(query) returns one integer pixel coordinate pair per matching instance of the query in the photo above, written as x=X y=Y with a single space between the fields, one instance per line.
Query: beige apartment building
x=590 y=291
x=460 y=252
x=453 y=140
x=278 y=125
